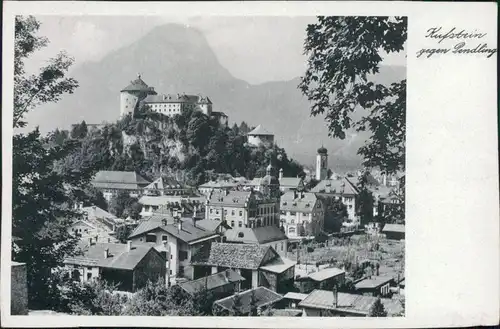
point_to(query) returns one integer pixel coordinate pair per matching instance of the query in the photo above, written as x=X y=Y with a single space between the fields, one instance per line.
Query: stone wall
x=19 y=289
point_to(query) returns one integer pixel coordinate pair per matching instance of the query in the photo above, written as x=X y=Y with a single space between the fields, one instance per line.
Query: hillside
x=173 y=58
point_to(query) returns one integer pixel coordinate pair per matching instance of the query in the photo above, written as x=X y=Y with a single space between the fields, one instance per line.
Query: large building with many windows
x=170 y=105
x=302 y=214
x=341 y=189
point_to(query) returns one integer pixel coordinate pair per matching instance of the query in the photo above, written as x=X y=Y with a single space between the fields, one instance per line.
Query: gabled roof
x=262 y=295
x=119 y=257
x=188 y=233
x=287 y=312
x=235 y=199
x=394 y=228
x=258 y=235
x=278 y=265
x=163 y=183
x=210 y=225
x=332 y=186
x=298 y=201
x=326 y=273
x=212 y=281
x=94 y=212
x=260 y=131
x=290 y=181
x=219 y=184
x=119 y=180
x=295 y=295
x=351 y=303
x=234 y=255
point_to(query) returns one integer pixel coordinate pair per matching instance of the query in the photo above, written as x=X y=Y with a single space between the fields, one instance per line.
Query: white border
x=452 y=166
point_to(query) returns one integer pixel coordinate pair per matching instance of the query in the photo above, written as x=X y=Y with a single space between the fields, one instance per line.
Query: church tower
x=322 y=164
x=131 y=95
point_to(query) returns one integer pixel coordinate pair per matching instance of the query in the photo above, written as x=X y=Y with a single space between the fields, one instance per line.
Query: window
x=292 y=221
x=240 y=223
x=170 y=272
x=232 y=212
x=89 y=276
x=164 y=238
x=163 y=254
x=283 y=212
x=291 y=230
x=225 y=211
x=240 y=235
x=293 y=213
x=210 y=210
x=217 y=212
x=241 y=213
x=232 y=223
x=304 y=214
x=183 y=255
x=150 y=238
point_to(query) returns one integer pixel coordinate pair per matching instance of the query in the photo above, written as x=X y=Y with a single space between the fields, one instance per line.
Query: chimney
x=179 y=225
x=164 y=222
x=129 y=245
x=335 y=296
x=106 y=253
x=281 y=174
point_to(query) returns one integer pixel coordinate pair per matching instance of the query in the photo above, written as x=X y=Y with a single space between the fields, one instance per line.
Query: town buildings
x=260 y=136
x=221 y=284
x=128 y=266
x=178 y=240
x=166 y=186
x=258 y=298
x=343 y=190
x=325 y=278
x=171 y=105
x=263 y=236
x=96 y=224
x=301 y=214
x=394 y=231
x=375 y=286
x=112 y=182
x=171 y=203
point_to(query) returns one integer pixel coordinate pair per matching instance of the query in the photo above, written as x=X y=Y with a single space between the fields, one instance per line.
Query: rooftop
x=287 y=312
x=260 y=131
x=164 y=182
x=263 y=296
x=298 y=201
x=352 y=303
x=212 y=281
x=119 y=257
x=326 y=273
x=119 y=179
x=290 y=181
x=336 y=186
x=233 y=255
x=139 y=85
x=373 y=282
x=235 y=199
x=278 y=265
x=259 y=235
x=400 y=228
x=295 y=296
x=170 y=199
x=177 y=98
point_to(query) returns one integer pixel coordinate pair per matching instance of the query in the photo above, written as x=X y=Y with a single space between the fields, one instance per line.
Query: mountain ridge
x=173 y=58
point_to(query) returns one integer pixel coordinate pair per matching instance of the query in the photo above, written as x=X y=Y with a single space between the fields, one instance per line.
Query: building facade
x=342 y=189
x=112 y=182
x=171 y=105
x=302 y=214
x=131 y=95
x=260 y=136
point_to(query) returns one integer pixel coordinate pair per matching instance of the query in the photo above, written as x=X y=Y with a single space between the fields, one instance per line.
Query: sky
x=256 y=49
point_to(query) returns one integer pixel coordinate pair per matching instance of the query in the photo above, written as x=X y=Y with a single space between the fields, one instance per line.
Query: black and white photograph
x=233 y=166
x=187 y=164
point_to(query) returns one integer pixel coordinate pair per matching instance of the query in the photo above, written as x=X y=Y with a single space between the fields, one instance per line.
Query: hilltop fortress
x=138 y=91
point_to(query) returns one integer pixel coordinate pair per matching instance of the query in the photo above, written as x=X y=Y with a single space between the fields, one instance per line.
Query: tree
x=377 y=309
x=253 y=304
x=123 y=232
x=96 y=198
x=122 y=205
x=49 y=84
x=343 y=53
x=79 y=131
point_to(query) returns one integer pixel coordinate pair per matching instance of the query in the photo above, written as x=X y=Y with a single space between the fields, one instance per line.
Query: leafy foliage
x=343 y=53
x=377 y=309
x=122 y=205
x=49 y=84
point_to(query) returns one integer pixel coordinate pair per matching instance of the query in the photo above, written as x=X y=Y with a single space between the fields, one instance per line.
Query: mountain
x=175 y=59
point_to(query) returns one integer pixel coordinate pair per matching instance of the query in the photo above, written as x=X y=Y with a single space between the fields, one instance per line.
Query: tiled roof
x=212 y=281
x=170 y=199
x=119 y=180
x=260 y=131
x=336 y=186
x=119 y=257
x=208 y=224
x=400 y=228
x=163 y=183
x=278 y=265
x=300 y=201
x=94 y=212
x=259 y=235
x=323 y=299
x=219 y=114
x=290 y=181
x=234 y=255
x=287 y=312
x=235 y=199
x=138 y=85
x=262 y=295
x=373 y=283
x=219 y=184
x=188 y=233
x=326 y=273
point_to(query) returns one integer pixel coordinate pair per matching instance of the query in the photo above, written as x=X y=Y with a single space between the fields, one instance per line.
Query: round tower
x=322 y=164
x=131 y=95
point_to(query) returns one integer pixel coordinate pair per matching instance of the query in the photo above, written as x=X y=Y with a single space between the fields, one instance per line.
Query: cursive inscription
x=463 y=43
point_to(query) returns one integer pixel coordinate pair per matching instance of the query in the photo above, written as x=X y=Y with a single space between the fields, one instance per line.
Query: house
x=326 y=279
x=242 y=208
x=262 y=298
x=221 y=284
x=290 y=183
x=333 y=303
x=167 y=186
x=93 y=231
x=172 y=104
x=260 y=136
x=217 y=186
x=169 y=203
x=342 y=189
x=128 y=266
x=394 y=231
x=375 y=286
x=221 y=117
x=292 y=299
x=263 y=236
x=177 y=239
x=302 y=214
x=19 y=289
x=112 y=182
x=260 y=266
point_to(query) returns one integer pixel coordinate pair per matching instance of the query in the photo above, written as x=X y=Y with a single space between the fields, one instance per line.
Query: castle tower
x=131 y=95
x=322 y=164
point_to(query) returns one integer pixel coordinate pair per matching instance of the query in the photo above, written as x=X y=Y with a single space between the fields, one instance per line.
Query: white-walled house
x=342 y=189
x=302 y=214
